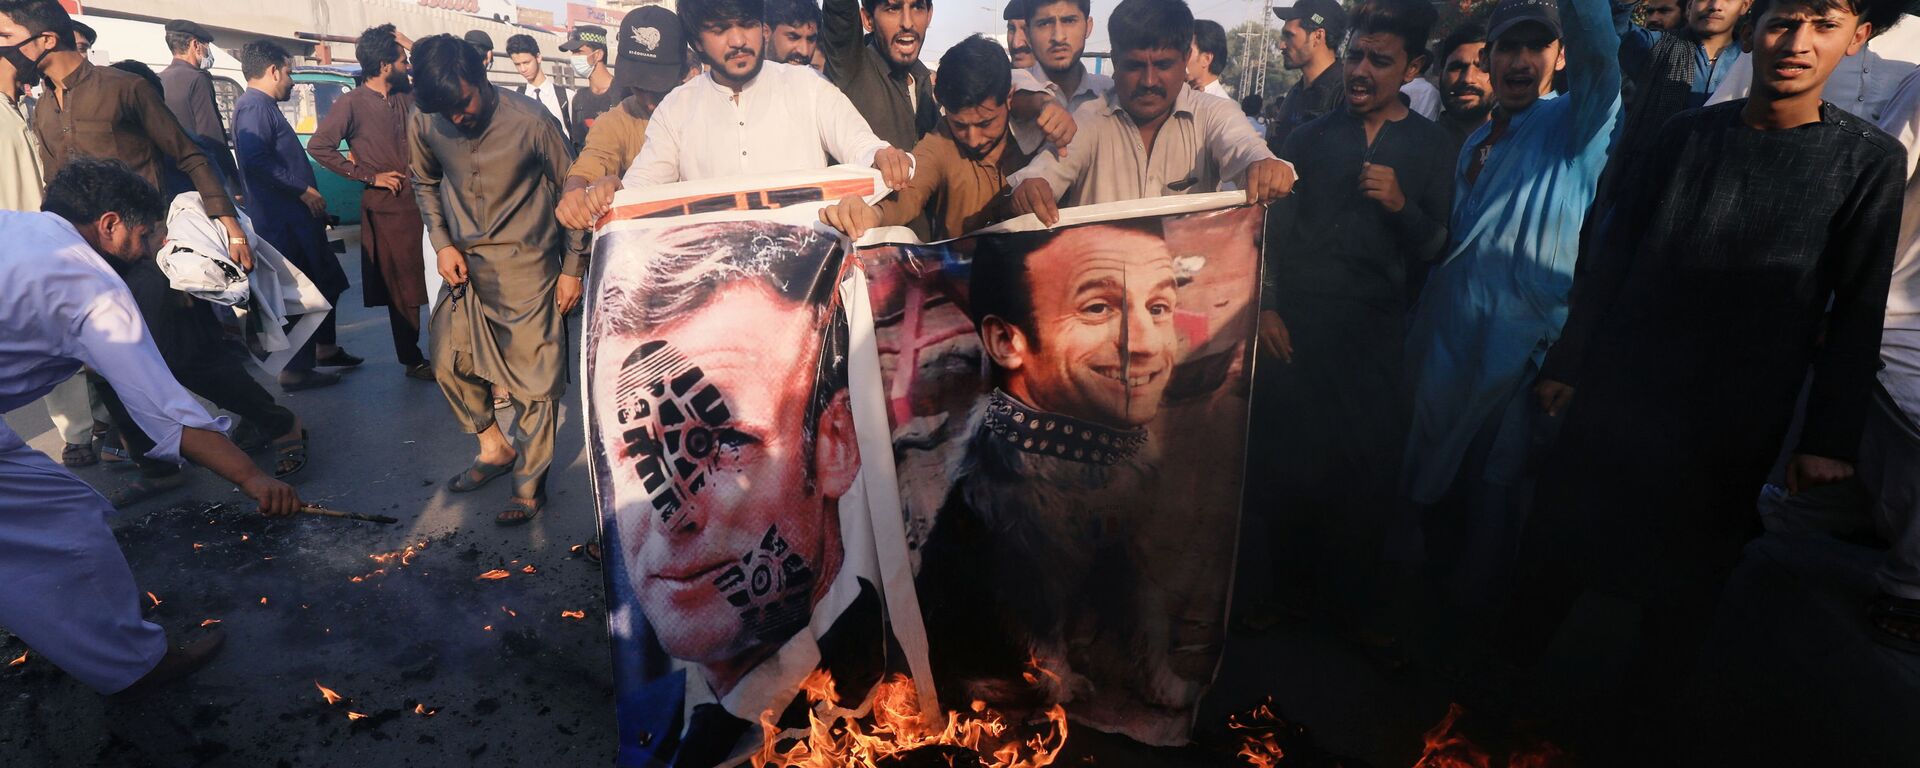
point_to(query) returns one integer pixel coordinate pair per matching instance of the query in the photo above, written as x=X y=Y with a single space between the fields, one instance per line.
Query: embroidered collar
x=1061 y=437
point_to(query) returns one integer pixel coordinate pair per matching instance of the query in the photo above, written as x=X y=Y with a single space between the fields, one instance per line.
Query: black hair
x=868 y=5
x=1409 y=20
x=1032 y=6
x=1210 y=37
x=998 y=285
x=1466 y=34
x=1862 y=8
x=377 y=46
x=259 y=55
x=442 y=64
x=81 y=30
x=143 y=72
x=89 y=187
x=1250 y=106
x=41 y=17
x=523 y=44
x=977 y=69
x=178 y=42
x=793 y=13
x=695 y=14
x=1146 y=25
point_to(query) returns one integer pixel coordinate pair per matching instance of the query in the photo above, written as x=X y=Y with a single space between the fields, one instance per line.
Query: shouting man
x=793 y=32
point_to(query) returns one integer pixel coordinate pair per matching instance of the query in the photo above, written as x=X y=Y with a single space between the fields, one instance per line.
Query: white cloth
x=786 y=119
x=1422 y=98
x=548 y=94
x=1093 y=88
x=1218 y=88
x=276 y=289
x=20 y=171
x=1900 y=342
x=1862 y=84
x=1204 y=144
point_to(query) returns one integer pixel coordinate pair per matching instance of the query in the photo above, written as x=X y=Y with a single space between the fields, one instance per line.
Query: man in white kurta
x=69 y=593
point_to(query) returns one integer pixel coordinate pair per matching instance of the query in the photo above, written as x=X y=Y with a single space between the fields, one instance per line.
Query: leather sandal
x=481 y=473
x=520 y=512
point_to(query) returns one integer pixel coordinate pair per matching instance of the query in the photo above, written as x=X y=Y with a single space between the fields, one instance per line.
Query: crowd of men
x=1556 y=319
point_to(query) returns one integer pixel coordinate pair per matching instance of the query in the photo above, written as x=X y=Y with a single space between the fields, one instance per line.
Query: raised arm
x=841 y=37
x=1593 y=71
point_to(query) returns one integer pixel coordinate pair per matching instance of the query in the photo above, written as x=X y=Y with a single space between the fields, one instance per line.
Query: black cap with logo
x=653 y=51
x=1512 y=13
x=585 y=35
x=1318 y=14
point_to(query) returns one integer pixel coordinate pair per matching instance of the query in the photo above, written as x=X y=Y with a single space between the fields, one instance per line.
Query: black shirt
x=586 y=108
x=1305 y=103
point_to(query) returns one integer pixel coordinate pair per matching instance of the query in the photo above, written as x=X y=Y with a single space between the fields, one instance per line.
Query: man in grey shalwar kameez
x=488 y=165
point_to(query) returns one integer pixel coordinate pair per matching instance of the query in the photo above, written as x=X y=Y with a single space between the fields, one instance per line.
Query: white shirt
x=1900 y=342
x=1861 y=84
x=788 y=118
x=1093 y=87
x=20 y=172
x=1423 y=98
x=548 y=94
x=1217 y=88
x=61 y=306
x=1205 y=143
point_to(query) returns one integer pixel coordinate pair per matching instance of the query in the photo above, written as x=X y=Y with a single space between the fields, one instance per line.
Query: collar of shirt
x=1093 y=85
x=1182 y=103
x=77 y=76
x=728 y=93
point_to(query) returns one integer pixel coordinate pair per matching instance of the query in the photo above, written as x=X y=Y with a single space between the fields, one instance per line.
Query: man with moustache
x=1728 y=276
x=1496 y=301
x=284 y=202
x=1464 y=85
x=372 y=121
x=1308 y=43
x=1019 y=50
x=1375 y=213
x=881 y=72
x=653 y=58
x=487 y=168
x=1152 y=135
x=1663 y=15
x=746 y=115
x=793 y=31
x=959 y=169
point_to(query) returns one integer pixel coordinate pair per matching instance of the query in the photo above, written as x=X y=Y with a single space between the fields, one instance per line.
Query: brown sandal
x=519 y=512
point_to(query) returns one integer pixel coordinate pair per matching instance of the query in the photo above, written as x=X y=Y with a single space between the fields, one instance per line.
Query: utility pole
x=1258 y=46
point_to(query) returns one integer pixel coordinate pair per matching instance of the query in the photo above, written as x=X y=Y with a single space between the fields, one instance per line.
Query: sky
x=954 y=20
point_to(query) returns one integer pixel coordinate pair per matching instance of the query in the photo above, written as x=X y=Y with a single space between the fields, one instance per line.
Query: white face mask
x=582 y=67
x=206 y=59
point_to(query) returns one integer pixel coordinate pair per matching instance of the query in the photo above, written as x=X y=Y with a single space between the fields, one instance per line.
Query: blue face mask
x=582 y=66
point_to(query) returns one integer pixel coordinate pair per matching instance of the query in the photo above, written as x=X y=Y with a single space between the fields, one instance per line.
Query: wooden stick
x=310 y=509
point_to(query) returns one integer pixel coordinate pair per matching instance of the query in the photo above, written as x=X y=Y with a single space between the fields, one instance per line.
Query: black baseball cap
x=584 y=35
x=1318 y=14
x=1512 y=13
x=479 y=39
x=653 y=51
x=190 y=28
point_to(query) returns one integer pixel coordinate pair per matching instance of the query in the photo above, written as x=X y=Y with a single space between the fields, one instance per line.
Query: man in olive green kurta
x=488 y=165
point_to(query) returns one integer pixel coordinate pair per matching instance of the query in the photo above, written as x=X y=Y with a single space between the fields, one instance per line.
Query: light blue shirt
x=1636 y=51
x=1496 y=303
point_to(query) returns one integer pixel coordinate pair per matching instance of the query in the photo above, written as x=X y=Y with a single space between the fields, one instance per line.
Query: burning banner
x=740 y=547
x=1068 y=411
x=997 y=476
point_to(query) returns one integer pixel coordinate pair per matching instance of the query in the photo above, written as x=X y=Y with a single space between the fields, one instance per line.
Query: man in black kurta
x=1333 y=416
x=1756 y=246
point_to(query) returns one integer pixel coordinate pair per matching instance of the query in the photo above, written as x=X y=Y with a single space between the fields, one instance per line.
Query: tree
x=1243 y=43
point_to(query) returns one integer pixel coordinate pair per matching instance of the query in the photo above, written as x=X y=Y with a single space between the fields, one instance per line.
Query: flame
x=897 y=726
x=209 y=622
x=355 y=716
x=243 y=537
x=22 y=659
x=493 y=575
x=488 y=628
x=156 y=600
x=576 y=549
x=1260 y=744
x=331 y=697
x=263 y=601
x=528 y=569
x=509 y=611
x=1446 y=748
x=423 y=711
x=573 y=614
x=198 y=545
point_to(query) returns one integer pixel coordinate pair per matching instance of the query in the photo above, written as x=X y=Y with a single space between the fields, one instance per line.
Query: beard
x=399 y=82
